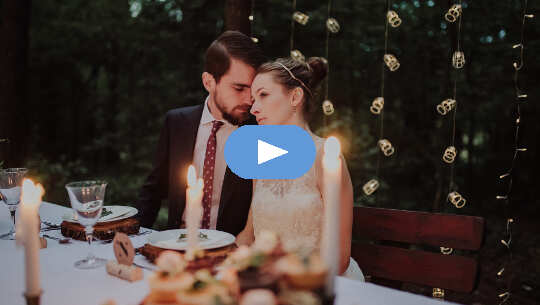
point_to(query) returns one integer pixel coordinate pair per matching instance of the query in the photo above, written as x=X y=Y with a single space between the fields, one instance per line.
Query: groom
x=197 y=134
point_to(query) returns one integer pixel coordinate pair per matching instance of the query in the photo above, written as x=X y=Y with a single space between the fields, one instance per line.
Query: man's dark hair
x=231 y=44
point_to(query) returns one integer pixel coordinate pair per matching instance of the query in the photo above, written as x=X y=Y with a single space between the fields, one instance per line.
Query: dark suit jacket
x=168 y=177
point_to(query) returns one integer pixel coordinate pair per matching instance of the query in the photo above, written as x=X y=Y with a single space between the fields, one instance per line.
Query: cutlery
x=60 y=240
x=108 y=241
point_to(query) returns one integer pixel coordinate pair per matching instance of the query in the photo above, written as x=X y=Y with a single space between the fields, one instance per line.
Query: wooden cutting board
x=103 y=230
x=210 y=259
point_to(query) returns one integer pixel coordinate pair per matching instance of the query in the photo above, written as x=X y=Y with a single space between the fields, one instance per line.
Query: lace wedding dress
x=294 y=210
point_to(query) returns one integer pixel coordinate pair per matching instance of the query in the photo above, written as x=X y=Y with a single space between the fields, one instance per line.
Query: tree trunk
x=237 y=16
x=14 y=123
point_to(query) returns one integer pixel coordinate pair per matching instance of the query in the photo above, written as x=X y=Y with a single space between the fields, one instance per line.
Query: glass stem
x=89 y=236
x=12 y=212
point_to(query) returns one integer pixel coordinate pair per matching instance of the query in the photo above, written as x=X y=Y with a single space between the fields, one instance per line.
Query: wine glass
x=86 y=199
x=11 y=180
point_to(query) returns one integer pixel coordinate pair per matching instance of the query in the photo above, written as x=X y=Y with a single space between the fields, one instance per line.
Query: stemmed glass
x=10 y=193
x=86 y=199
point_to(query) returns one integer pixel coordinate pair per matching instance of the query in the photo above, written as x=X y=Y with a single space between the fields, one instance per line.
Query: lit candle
x=194 y=194
x=28 y=234
x=330 y=248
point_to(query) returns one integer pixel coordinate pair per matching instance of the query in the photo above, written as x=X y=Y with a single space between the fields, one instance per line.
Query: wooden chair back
x=406 y=264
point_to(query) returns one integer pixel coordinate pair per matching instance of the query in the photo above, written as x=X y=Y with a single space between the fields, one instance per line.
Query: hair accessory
x=294 y=77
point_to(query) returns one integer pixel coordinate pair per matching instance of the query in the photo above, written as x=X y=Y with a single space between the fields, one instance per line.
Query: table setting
x=86 y=254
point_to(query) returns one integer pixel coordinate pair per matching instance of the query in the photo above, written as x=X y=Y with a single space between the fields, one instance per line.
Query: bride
x=283 y=95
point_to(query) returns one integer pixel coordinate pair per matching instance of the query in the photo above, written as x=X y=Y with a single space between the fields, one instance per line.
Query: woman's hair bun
x=319 y=66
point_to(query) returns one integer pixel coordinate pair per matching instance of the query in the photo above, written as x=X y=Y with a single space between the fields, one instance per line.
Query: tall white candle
x=28 y=234
x=330 y=248
x=194 y=194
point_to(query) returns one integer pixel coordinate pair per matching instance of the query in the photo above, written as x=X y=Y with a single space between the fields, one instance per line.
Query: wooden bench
x=377 y=228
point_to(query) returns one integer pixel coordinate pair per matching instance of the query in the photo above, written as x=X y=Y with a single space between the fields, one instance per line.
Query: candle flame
x=191 y=176
x=31 y=193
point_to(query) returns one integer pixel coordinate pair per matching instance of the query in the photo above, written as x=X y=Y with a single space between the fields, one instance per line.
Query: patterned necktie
x=208 y=174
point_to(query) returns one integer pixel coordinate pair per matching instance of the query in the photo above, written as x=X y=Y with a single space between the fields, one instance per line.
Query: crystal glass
x=86 y=199
x=10 y=193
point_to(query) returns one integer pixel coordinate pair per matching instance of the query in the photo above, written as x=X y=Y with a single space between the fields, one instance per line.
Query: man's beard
x=227 y=115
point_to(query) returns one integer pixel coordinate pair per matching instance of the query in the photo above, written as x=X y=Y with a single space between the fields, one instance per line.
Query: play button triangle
x=267 y=152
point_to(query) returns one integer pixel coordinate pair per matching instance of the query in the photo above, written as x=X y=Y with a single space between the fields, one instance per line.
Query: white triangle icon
x=267 y=152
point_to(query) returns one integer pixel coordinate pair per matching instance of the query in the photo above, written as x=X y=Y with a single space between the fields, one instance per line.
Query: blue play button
x=270 y=152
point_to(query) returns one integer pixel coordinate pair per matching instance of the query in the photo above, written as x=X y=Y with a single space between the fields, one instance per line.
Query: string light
x=297 y=17
x=520 y=98
x=332 y=25
x=446 y=106
x=458 y=59
x=370 y=187
x=446 y=251
x=391 y=61
x=438 y=293
x=297 y=55
x=300 y=18
x=377 y=106
x=457 y=200
x=328 y=106
x=449 y=154
x=454 y=14
x=393 y=19
x=386 y=147
x=251 y=19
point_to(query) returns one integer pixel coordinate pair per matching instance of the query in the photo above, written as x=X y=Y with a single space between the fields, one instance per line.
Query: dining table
x=62 y=283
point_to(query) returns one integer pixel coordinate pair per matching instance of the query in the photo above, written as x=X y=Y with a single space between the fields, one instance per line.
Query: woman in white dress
x=293 y=208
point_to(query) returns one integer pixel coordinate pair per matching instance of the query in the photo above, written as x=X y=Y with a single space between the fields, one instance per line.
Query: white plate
x=169 y=239
x=119 y=212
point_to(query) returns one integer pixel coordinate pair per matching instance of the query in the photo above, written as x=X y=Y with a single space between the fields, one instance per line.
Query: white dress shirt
x=205 y=128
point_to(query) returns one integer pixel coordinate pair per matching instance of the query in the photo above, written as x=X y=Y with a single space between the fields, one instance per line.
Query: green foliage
x=104 y=73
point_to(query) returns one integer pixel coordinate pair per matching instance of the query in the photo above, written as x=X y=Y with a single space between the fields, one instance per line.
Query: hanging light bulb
x=393 y=19
x=332 y=25
x=301 y=18
x=328 y=107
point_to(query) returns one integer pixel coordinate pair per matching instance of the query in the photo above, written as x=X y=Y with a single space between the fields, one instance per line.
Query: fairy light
x=292 y=26
x=521 y=97
x=390 y=62
x=453 y=15
x=251 y=18
x=327 y=103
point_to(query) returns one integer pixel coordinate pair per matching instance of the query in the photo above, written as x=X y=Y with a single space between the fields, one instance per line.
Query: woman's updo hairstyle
x=292 y=73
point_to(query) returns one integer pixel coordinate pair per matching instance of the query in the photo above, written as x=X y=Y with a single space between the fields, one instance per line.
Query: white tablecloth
x=63 y=284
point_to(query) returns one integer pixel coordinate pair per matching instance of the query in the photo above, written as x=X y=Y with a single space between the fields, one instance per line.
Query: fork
x=108 y=241
x=50 y=226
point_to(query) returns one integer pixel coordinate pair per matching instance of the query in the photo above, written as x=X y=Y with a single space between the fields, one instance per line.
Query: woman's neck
x=299 y=121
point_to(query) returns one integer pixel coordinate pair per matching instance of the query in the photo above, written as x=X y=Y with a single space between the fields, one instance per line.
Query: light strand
x=377 y=106
x=520 y=97
x=458 y=60
x=451 y=186
x=328 y=106
x=454 y=13
x=292 y=26
x=252 y=20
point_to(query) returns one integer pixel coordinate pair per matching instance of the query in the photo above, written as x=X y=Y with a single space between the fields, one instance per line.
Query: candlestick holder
x=33 y=299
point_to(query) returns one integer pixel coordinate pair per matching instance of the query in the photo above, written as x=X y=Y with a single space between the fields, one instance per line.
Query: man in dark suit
x=197 y=134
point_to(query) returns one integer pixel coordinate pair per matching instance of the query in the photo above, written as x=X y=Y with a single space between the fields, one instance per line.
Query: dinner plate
x=170 y=239
x=118 y=212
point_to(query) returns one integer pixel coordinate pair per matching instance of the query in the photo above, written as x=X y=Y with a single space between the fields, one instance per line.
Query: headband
x=294 y=77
